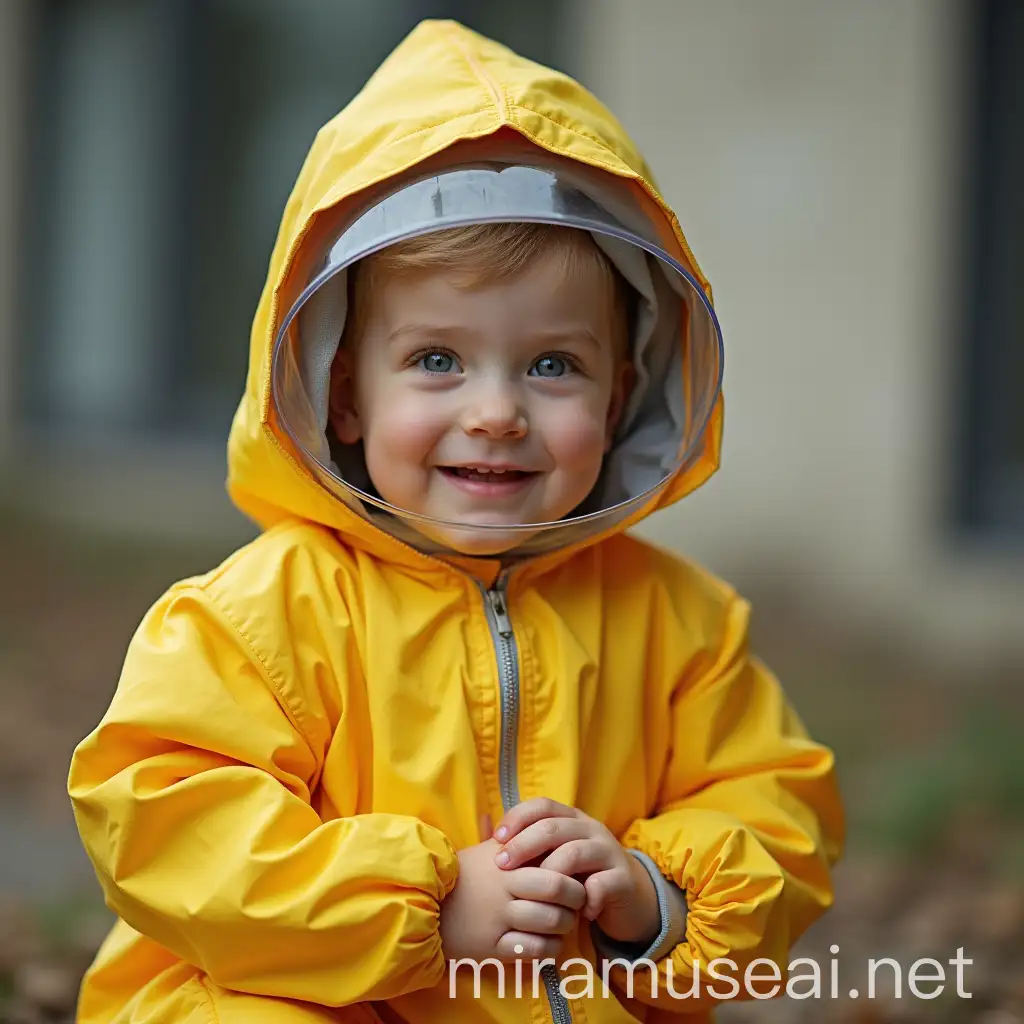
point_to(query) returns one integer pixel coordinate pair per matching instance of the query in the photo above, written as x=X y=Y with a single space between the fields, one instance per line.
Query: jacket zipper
x=503 y=636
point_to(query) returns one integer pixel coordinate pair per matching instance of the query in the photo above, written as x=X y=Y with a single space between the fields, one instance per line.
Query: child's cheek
x=577 y=443
x=406 y=428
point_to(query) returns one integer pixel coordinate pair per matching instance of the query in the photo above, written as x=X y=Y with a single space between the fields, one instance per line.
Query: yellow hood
x=444 y=90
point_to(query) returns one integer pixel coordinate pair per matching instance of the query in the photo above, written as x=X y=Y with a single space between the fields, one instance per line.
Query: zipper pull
x=497 y=601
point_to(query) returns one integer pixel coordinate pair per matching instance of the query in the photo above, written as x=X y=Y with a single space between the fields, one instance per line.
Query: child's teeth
x=478 y=471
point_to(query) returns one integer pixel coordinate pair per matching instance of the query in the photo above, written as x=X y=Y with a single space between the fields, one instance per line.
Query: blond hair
x=483 y=254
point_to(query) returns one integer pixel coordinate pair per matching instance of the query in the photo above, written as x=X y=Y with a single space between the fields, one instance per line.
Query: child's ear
x=622 y=385
x=343 y=414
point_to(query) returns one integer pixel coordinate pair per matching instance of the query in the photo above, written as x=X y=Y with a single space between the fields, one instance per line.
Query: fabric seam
x=331 y=198
x=497 y=94
x=205 y=989
x=590 y=138
x=663 y=909
x=271 y=683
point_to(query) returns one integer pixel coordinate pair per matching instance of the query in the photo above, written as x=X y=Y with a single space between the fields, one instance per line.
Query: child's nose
x=496 y=412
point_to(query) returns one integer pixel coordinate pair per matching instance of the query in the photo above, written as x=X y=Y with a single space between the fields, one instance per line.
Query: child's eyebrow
x=438 y=331
x=575 y=332
x=445 y=332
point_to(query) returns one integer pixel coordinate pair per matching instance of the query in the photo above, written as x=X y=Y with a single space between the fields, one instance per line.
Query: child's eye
x=437 y=362
x=551 y=366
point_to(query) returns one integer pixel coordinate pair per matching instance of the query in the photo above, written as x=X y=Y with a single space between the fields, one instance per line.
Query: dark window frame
x=988 y=498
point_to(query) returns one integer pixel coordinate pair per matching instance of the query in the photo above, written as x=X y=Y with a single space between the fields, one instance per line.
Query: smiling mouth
x=488 y=476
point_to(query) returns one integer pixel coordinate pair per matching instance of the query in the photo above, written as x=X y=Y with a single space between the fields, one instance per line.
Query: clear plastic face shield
x=675 y=350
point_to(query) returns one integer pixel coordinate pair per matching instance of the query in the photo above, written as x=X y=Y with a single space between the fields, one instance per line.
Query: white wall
x=810 y=150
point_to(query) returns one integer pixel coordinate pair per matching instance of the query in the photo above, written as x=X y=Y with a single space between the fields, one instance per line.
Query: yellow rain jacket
x=302 y=738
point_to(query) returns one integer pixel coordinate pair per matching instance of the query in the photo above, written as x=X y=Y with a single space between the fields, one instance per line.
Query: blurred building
x=848 y=175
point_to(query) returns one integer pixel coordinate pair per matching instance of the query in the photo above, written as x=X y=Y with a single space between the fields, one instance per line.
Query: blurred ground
x=931 y=765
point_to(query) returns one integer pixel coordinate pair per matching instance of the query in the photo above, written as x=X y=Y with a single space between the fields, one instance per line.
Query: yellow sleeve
x=192 y=798
x=749 y=822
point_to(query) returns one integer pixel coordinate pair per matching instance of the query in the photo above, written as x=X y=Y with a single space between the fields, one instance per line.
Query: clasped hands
x=520 y=892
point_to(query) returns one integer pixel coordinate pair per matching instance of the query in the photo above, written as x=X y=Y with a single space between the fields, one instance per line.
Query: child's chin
x=480 y=543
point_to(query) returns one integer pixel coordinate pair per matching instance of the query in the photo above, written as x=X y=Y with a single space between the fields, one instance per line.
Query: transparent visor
x=675 y=348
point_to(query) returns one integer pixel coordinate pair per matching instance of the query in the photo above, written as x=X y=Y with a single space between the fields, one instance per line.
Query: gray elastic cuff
x=673 y=907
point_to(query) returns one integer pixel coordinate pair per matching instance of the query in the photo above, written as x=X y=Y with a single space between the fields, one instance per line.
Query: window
x=169 y=133
x=991 y=485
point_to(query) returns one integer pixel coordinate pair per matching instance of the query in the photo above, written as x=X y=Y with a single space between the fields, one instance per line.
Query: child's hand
x=490 y=912
x=620 y=894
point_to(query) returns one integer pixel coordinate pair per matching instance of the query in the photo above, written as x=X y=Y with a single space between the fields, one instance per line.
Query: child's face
x=448 y=386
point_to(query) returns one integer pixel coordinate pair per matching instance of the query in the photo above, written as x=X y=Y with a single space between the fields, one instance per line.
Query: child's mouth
x=483 y=481
x=486 y=475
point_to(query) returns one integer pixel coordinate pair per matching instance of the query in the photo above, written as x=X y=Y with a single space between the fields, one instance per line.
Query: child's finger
x=540 y=918
x=530 y=811
x=546 y=887
x=540 y=837
x=598 y=887
x=578 y=857
x=527 y=946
